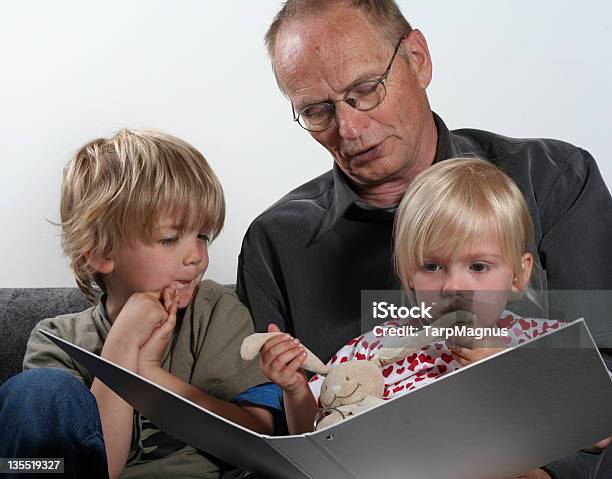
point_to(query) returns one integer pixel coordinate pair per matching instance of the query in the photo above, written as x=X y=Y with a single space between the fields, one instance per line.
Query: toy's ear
x=252 y=345
x=386 y=356
x=411 y=344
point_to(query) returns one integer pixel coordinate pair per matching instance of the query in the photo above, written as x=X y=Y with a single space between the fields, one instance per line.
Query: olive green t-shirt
x=204 y=352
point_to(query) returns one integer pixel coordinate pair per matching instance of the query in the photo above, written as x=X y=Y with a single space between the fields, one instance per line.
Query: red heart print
x=387 y=371
x=447 y=358
x=505 y=322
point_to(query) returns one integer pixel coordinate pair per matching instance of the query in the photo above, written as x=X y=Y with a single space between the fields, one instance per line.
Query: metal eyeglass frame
x=351 y=101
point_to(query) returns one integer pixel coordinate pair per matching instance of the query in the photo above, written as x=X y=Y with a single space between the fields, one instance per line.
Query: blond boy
x=137 y=213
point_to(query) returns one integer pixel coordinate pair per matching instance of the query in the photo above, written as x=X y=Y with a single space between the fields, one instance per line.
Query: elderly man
x=356 y=74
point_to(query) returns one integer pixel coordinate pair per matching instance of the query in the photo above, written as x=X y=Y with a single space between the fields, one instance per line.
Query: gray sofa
x=21 y=309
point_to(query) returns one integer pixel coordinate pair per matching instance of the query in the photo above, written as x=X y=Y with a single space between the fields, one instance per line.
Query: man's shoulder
x=314 y=194
x=552 y=154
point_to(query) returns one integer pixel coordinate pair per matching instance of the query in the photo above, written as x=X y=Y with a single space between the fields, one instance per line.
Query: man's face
x=318 y=59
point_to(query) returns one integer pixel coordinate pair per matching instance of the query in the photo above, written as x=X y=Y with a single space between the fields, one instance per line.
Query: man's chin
x=375 y=173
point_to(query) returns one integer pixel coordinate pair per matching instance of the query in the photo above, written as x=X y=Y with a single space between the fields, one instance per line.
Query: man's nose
x=351 y=121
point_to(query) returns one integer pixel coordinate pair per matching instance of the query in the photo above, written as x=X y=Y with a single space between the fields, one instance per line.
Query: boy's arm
x=115 y=413
x=148 y=362
x=255 y=418
x=218 y=359
x=132 y=327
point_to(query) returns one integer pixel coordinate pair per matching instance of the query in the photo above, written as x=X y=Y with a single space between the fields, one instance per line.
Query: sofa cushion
x=20 y=310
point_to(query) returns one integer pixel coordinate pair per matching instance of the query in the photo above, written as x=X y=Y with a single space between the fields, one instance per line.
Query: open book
x=510 y=413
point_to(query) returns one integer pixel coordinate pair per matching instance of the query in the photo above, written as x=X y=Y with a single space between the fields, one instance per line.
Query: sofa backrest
x=20 y=310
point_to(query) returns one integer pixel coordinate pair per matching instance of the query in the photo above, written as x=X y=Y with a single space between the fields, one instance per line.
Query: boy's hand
x=473 y=350
x=152 y=351
x=140 y=315
x=280 y=360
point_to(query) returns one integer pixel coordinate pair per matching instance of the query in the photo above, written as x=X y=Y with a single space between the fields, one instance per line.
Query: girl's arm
x=281 y=358
x=300 y=410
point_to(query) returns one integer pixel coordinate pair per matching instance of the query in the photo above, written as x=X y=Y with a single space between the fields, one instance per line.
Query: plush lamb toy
x=355 y=386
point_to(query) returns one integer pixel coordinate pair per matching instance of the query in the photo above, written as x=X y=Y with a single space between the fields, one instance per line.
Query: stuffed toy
x=355 y=386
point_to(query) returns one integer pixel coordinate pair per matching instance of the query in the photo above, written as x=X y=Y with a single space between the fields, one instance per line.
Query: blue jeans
x=49 y=413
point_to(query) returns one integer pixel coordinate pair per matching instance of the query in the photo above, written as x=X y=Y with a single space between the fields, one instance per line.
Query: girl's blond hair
x=450 y=202
x=115 y=191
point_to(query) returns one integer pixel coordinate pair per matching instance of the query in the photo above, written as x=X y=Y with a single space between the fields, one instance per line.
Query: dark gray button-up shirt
x=306 y=259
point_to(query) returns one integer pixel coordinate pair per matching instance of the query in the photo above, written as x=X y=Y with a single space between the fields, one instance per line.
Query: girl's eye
x=431 y=267
x=204 y=237
x=169 y=241
x=479 y=267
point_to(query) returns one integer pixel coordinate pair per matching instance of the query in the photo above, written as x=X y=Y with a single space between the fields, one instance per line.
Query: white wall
x=74 y=70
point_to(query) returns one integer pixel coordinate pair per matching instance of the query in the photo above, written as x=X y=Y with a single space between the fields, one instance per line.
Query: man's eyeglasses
x=364 y=96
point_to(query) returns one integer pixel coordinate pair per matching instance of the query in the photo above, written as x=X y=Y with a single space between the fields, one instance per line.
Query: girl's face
x=475 y=278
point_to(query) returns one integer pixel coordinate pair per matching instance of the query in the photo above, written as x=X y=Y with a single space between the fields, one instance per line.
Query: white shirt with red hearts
x=431 y=361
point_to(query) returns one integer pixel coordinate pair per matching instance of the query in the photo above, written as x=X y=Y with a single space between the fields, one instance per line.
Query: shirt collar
x=346 y=203
x=101 y=314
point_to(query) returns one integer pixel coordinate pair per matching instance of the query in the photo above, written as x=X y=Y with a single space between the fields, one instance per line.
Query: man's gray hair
x=384 y=14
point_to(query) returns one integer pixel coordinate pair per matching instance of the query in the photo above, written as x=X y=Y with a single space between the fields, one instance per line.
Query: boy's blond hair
x=450 y=202
x=115 y=191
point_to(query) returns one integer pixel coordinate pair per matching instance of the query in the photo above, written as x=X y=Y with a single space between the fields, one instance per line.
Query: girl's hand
x=477 y=350
x=151 y=352
x=599 y=446
x=281 y=358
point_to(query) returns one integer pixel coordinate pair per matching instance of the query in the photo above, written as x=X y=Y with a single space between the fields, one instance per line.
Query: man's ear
x=416 y=49
x=521 y=280
x=101 y=264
